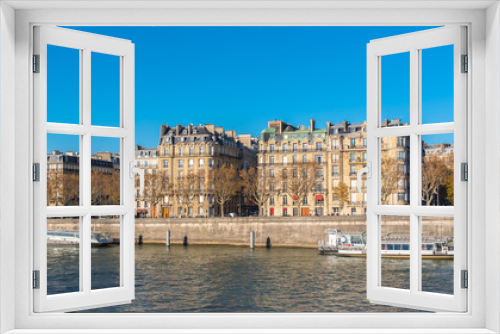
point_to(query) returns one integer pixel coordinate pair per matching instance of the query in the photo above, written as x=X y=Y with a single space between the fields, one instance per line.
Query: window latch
x=465 y=279
x=134 y=170
x=368 y=171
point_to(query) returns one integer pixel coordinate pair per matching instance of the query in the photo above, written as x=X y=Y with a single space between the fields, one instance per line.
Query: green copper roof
x=269 y=130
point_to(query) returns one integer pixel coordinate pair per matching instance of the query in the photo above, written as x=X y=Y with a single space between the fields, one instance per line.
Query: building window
x=191 y=150
x=352 y=157
x=165 y=163
x=304 y=146
x=190 y=163
x=401 y=141
x=138 y=164
x=146 y=163
x=294 y=159
x=364 y=142
x=364 y=156
x=181 y=163
x=319 y=187
x=201 y=163
x=271 y=160
x=304 y=159
x=271 y=200
x=190 y=211
x=319 y=173
x=319 y=146
x=335 y=144
x=353 y=211
x=353 y=143
x=295 y=212
x=284 y=147
x=181 y=151
x=318 y=159
x=165 y=151
x=295 y=147
x=211 y=162
x=335 y=170
x=401 y=156
x=353 y=198
x=271 y=148
x=181 y=174
x=353 y=169
x=285 y=160
x=305 y=201
x=285 y=200
x=211 y=150
x=335 y=211
x=353 y=184
x=271 y=172
x=285 y=212
x=202 y=150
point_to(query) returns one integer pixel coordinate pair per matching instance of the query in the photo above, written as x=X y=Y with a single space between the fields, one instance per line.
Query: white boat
x=392 y=246
x=60 y=237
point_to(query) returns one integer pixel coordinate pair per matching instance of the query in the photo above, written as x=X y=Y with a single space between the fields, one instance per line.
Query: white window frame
x=482 y=17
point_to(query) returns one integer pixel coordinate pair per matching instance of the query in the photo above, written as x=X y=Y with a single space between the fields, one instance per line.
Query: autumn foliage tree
x=341 y=192
x=390 y=175
x=63 y=189
x=435 y=174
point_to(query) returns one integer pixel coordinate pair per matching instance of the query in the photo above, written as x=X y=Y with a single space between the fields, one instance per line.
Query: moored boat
x=391 y=246
x=68 y=238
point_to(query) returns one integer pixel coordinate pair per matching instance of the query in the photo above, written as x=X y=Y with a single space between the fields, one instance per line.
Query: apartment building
x=337 y=152
x=187 y=154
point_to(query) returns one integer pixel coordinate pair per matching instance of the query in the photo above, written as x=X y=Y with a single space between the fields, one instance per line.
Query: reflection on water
x=238 y=279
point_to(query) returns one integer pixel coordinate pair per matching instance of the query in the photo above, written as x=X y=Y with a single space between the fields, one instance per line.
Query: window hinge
x=36 y=279
x=465 y=279
x=36 y=172
x=465 y=64
x=36 y=63
x=464 y=171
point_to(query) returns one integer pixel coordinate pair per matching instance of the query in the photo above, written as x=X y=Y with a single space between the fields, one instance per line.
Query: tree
x=390 y=176
x=450 y=189
x=256 y=186
x=185 y=189
x=105 y=188
x=225 y=183
x=298 y=181
x=435 y=173
x=341 y=191
x=63 y=189
x=154 y=190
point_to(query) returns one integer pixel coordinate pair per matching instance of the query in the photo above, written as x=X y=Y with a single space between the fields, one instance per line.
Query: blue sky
x=242 y=77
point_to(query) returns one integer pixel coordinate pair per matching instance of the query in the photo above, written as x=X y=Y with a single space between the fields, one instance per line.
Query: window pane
x=63 y=170
x=395 y=251
x=105 y=90
x=63 y=85
x=395 y=91
x=437 y=170
x=437 y=84
x=105 y=186
x=437 y=254
x=63 y=255
x=395 y=171
x=105 y=261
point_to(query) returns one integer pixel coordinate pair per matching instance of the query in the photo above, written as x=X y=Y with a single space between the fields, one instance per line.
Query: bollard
x=268 y=242
x=167 y=241
x=140 y=240
x=185 y=241
x=252 y=239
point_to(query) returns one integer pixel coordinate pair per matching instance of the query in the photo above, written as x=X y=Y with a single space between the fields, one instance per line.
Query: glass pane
x=105 y=261
x=105 y=90
x=437 y=84
x=395 y=89
x=105 y=186
x=437 y=170
x=395 y=171
x=437 y=254
x=63 y=85
x=395 y=251
x=63 y=255
x=63 y=170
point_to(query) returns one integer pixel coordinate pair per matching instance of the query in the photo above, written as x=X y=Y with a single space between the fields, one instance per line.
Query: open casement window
x=399 y=221
x=74 y=185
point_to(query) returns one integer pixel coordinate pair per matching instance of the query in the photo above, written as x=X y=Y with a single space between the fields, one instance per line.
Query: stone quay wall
x=283 y=231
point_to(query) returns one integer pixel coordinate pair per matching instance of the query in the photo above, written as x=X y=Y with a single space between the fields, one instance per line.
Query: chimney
x=313 y=124
x=190 y=128
x=178 y=130
x=328 y=125
x=163 y=130
x=344 y=123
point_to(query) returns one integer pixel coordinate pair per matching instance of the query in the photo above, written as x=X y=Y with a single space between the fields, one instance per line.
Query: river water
x=208 y=278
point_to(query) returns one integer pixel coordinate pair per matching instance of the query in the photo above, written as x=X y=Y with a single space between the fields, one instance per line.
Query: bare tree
x=256 y=186
x=435 y=173
x=390 y=176
x=185 y=190
x=298 y=181
x=105 y=188
x=154 y=191
x=225 y=184
x=341 y=191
